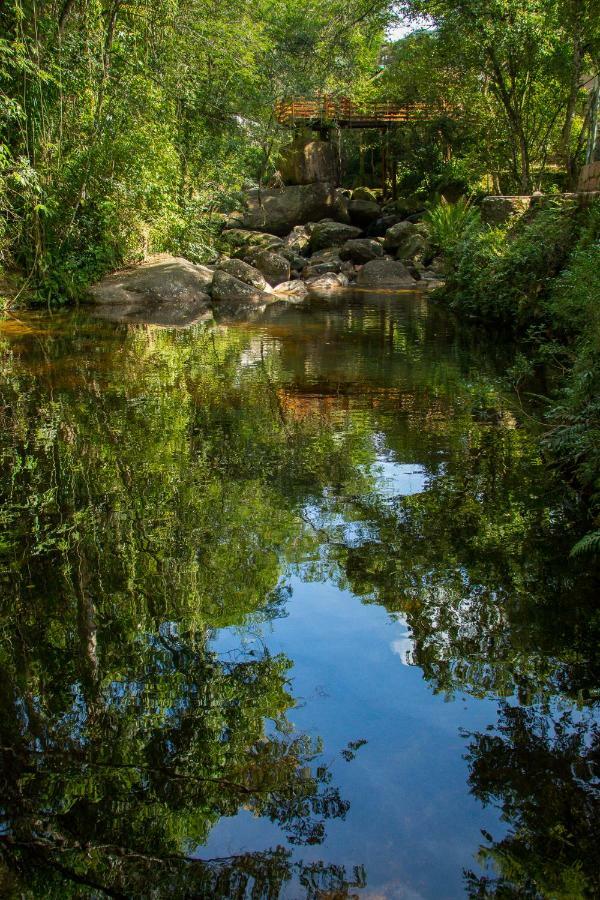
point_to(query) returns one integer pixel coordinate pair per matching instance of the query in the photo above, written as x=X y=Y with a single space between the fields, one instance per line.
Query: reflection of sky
x=394 y=479
x=412 y=822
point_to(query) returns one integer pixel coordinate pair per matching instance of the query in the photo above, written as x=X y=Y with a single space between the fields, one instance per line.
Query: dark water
x=287 y=611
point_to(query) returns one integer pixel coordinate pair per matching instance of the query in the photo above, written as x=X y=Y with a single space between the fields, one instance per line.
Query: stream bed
x=287 y=610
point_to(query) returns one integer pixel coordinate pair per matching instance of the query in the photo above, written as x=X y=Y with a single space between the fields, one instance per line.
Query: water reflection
x=187 y=519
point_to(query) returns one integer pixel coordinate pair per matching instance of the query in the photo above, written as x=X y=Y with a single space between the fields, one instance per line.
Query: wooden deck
x=326 y=111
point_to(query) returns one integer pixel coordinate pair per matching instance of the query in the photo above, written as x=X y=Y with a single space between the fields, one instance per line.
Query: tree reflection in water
x=156 y=488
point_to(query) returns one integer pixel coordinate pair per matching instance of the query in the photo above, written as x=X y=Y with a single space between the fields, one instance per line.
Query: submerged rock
x=243 y=271
x=329 y=282
x=230 y=289
x=296 y=288
x=385 y=273
x=163 y=290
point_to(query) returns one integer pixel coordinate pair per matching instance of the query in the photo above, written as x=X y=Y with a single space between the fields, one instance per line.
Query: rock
x=379 y=227
x=384 y=273
x=499 y=210
x=414 y=247
x=243 y=271
x=329 y=282
x=306 y=161
x=298 y=240
x=294 y=288
x=163 y=290
x=278 y=211
x=328 y=233
x=274 y=267
x=241 y=240
x=363 y=212
x=227 y=288
x=364 y=193
x=361 y=250
x=321 y=268
x=396 y=236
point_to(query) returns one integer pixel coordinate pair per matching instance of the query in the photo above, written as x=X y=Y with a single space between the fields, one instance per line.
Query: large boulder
x=306 y=161
x=164 y=290
x=296 y=289
x=298 y=240
x=328 y=282
x=388 y=273
x=363 y=212
x=277 y=211
x=328 y=233
x=415 y=247
x=379 y=227
x=239 y=241
x=364 y=193
x=243 y=271
x=361 y=250
x=227 y=288
x=321 y=268
x=274 y=267
x=397 y=235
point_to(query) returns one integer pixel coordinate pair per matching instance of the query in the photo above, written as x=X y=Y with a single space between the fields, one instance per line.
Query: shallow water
x=287 y=612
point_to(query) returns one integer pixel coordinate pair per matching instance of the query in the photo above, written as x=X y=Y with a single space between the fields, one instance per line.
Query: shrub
x=449 y=223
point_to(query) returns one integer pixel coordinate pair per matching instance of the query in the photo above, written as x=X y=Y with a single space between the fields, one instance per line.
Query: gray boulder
x=227 y=288
x=415 y=247
x=241 y=240
x=279 y=210
x=361 y=250
x=321 y=268
x=328 y=233
x=305 y=161
x=363 y=212
x=387 y=273
x=274 y=267
x=163 y=290
x=298 y=240
x=243 y=271
x=329 y=282
x=364 y=193
x=397 y=235
x=295 y=288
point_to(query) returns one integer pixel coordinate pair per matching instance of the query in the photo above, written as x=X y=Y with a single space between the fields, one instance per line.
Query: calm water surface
x=287 y=611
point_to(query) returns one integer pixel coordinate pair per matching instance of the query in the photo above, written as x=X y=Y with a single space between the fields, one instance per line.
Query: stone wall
x=589 y=180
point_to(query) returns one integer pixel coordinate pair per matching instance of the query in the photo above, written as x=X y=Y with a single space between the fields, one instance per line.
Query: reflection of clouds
x=404 y=646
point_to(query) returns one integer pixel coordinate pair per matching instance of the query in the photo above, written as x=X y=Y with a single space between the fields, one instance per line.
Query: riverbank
x=537 y=278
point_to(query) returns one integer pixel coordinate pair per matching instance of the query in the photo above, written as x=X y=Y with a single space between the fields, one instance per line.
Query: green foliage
x=449 y=224
x=122 y=129
x=504 y=276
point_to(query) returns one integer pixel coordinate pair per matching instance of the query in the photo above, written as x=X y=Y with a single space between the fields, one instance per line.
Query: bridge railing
x=326 y=110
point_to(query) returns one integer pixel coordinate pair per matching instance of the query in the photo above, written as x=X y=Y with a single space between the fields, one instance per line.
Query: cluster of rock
x=284 y=245
x=310 y=238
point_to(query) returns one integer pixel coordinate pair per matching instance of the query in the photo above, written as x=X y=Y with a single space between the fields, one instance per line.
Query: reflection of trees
x=543 y=772
x=147 y=505
x=122 y=785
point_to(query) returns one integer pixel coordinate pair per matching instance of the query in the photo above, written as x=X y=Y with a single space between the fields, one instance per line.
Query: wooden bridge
x=327 y=111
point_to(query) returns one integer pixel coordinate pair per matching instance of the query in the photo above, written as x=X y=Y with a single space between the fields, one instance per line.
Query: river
x=288 y=611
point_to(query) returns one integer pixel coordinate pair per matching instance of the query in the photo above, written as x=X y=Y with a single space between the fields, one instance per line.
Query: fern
x=589 y=544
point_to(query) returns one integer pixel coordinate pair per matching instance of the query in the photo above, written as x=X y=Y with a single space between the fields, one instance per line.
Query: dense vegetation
x=127 y=128
x=123 y=126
